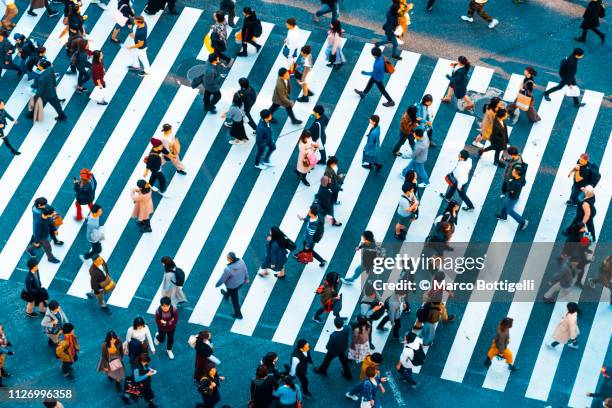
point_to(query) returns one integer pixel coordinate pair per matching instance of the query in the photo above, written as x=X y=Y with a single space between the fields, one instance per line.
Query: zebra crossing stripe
x=143 y=254
x=129 y=122
x=261 y=287
x=548 y=359
x=21 y=95
x=513 y=88
x=539 y=255
x=261 y=193
x=40 y=131
x=356 y=177
x=475 y=313
x=385 y=208
x=52 y=182
x=453 y=143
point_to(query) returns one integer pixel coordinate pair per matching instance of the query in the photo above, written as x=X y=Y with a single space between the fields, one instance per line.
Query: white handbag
x=572 y=91
x=192 y=340
x=365 y=404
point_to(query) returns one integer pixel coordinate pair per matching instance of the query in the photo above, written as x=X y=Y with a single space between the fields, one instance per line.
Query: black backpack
x=595 y=174
x=523 y=167
x=179 y=277
x=423 y=312
x=419 y=356
x=318 y=235
x=257 y=29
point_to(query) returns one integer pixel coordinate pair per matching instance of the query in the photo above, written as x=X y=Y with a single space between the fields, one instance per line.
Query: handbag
x=399 y=31
x=208 y=44
x=115 y=364
x=389 y=68
x=285 y=51
x=108 y=284
x=132 y=387
x=192 y=340
x=572 y=91
x=523 y=102
x=119 y=18
x=450 y=179
x=365 y=404
x=313 y=159
x=305 y=257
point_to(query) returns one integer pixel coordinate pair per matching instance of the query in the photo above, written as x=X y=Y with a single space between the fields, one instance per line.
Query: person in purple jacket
x=376 y=77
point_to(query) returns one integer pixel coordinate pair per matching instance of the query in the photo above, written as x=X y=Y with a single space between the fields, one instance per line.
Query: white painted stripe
x=40 y=131
x=384 y=211
x=594 y=353
x=112 y=149
x=21 y=95
x=514 y=84
x=548 y=359
x=143 y=254
x=129 y=122
x=260 y=195
x=480 y=79
x=356 y=176
x=547 y=231
x=476 y=310
x=261 y=287
x=203 y=54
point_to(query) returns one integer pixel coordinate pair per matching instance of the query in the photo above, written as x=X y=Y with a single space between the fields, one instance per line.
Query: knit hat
x=85 y=174
x=584 y=156
x=32 y=262
x=155 y=142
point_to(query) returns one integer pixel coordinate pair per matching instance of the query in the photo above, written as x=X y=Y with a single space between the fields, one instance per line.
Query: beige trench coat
x=567 y=328
x=143 y=205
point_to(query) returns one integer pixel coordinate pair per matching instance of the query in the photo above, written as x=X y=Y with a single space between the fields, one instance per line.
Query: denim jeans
x=419 y=168
x=356 y=274
x=391 y=39
x=327 y=9
x=576 y=196
x=508 y=209
x=406 y=374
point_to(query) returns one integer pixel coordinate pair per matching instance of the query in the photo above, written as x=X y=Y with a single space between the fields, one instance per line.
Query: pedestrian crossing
x=300 y=300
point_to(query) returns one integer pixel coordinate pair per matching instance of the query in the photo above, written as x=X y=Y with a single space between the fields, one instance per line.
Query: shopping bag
x=572 y=91
x=523 y=102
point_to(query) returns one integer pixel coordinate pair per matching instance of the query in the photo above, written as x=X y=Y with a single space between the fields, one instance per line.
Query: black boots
x=145 y=226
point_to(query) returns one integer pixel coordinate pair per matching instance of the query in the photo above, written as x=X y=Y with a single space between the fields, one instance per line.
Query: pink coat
x=143 y=205
x=304 y=149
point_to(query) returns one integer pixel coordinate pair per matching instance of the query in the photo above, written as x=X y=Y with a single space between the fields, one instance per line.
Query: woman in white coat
x=567 y=330
x=333 y=52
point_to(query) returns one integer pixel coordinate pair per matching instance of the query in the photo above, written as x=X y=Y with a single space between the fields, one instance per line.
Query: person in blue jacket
x=264 y=140
x=372 y=146
x=376 y=77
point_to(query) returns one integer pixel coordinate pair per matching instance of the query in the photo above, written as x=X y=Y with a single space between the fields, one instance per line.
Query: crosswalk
x=126 y=147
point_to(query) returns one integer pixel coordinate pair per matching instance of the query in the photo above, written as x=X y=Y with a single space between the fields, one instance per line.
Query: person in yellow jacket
x=67 y=350
x=499 y=347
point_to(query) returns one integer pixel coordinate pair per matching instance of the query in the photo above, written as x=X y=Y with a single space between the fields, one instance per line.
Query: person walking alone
x=251 y=29
x=4 y=115
x=67 y=350
x=391 y=23
x=459 y=82
x=53 y=322
x=143 y=205
x=264 y=141
x=111 y=359
x=337 y=346
x=138 y=51
x=376 y=77
x=46 y=90
x=234 y=276
x=248 y=96
x=328 y=6
x=419 y=158
x=317 y=131
x=312 y=234
x=100 y=281
x=174 y=279
x=95 y=233
x=498 y=138
x=85 y=192
x=477 y=6
x=499 y=346
x=300 y=358
x=567 y=330
x=281 y=96
x=590 y=20
x=333 y=52
x=567 y=72
x=461 y=175
x=307 y=157
x=166 y=317
x=372 y=147
x=514 y=186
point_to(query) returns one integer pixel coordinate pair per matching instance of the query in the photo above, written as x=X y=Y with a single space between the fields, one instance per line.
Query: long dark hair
x=412 y=113
x=109 y=336
x=362 y=322
x=464 y=61
x=97 y=57
x=493 y=103
x=237 y=100
x=168 y=263
x=336 y=27
x=277 y=234
x=138 y=322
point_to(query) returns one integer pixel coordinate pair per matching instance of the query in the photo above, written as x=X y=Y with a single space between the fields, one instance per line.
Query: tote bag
x=523 y=102
x=119 y=18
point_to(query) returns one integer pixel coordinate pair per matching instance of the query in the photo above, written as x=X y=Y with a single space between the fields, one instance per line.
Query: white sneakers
x=478 y=144
x=466 y=18
x=422 y=185
x=155 y=341
x=493 y=23
x=260 y=166
x=170 y=354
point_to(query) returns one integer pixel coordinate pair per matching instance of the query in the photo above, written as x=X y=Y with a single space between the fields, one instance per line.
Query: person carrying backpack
x=251 y=29
x=166 y=317
x=218 y=37
x=312 y=234
x=412 y=356
x=330 y=300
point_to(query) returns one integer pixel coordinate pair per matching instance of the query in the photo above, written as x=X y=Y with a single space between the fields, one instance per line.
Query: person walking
x=307 y=157
x=166 y=317
x=37 y=4
x=604 y=276
x=289 y=394
x=277 y=248
x=328 y=6
x=425 y=118
x=235 y=121
x=333 y=52
x=53 y=323
x=459 y=82
x=567 y=72
x=428 y=317
x=336 y=179
x=46 y=90
x=209 y=388
x=82 y=65
x=486 y=125
x=174 y=279
x=139 y=341
x=360 y=340
x=95 y=232
x=395 y=306
x=419 y=158
x=43 y=224
x=4 y=115
x=590 y=20
x=234 y=276
x=477 y=6
x=218 y=38
x=371 y=306
x=515 y=160
x=138 y=50
x=67 y=350
x=172 y=145
x=407 y=211
x=312 y=234
x=291 y=43
x=458 y=178
x=317 y=131
x=376 y=77
x=567 y=330
x=562 y=280
x=248 y=96
x=372 y=147
x=391 y=23
x=586 y=211
x=211 y=80
x=141 y=375
x=325 y=202
x=412 y=356
x=154 y=163
x=4 y=351
x=329 y=298
x=111 y=359
x=127 y=20
x=261 y=389
x=251 y=29
x=302 y=73
x=85 y=192
x=370 y=388
x=100 y=281
x=408 y=124
x=337 y=346
x=369 y=250
x=499 y=137
x=264 y=141
x=204 y=350
x=300 y=359
x=525 y=92
x=281 y=96
x=143 y=205
x=499 y=346
x=228 y=7
x=513 y=192
x=582 y=174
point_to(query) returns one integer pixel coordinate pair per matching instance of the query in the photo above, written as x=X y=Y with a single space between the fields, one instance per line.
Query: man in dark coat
x=567 y=72
x=248 y=96
x=337 y=346
x=46 y=89
x=249 y=31
x=590 y=20
x=264 y=140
